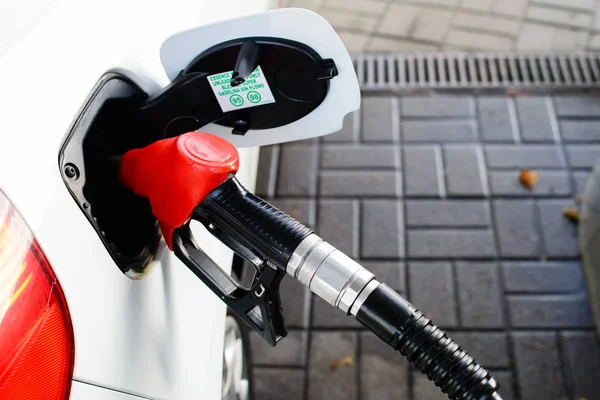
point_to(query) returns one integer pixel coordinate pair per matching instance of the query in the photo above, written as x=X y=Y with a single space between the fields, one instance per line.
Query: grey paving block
x=382 y=233
x=303 y=210
x=534 y=119
x=583 y=156
x=479 y=295
x=516 y=228
x=524 y=156
x=573 y=131
x=295 y=302
x=465 y=171
x=349 y=132
x=391 y=273
x=467 y=243
x=559 y=232
x=551 y=183
x=550 y=311
x=582 y=354
x=447 y=213
x=438 y=131
x=577 y=106
x=423 y=171
x=268 y=163
x=545 y=277
x=380 y=119
x=383 y=372
x=432 y=291
x=325 y=383
x=289 y=351
x=359 y=156
x=495 y=123
x=580 y=178
x=506 y=381
x=338 y=224
x=324 y=315
x=278 y=384
x=359 y=183
x=297 y=170
x=424 y=389
x=490 y=349
x=441 y=106
x=538 y=365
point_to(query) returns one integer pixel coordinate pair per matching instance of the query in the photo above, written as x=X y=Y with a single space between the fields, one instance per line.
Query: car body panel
x=158 y=337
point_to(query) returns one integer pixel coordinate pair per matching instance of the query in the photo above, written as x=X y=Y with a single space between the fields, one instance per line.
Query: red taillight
x=36 y=335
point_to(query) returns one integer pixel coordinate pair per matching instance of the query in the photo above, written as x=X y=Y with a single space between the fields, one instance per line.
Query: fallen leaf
x=579 y=198
x=342 y=362
x=571 y=213
x=529 y=178
x=527 y=344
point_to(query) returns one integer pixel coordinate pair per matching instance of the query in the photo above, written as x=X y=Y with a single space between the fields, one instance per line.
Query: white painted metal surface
x=159 y=337
x=289 y=23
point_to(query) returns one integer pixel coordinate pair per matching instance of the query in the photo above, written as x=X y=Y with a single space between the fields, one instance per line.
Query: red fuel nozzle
x=176 y=175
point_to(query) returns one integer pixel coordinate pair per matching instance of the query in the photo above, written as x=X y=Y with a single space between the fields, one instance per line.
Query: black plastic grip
x=428 y=348
x=235 y=214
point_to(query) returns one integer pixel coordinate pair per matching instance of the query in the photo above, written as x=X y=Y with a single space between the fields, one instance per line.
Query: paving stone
x=468 y=243
x=289 y=351
x=514 y=8
x=383 y=372
x=583 y=5
x=302 y=210
x=559 y=233
x=382 y=44
x=442 y=106
x=477 y=40
x=388 y=272
x=398 y=20
x=516 y=228
x=382 y=233
x=569 y=39
x=360 y=183
x=359 y=156
x=550 y=311
x=535 y=37
x=538 y=365
x=594 y=42
x=580 y=131
x=353 y=41
x=447 y=213
x=380 y=119
x=506 y=382
x=559 y=17
x=338 y=224
x=295 y=302
x=490 y=349
x=324 y=315
x=582 y=354
x=267 y=171
x=578 y=106
x=526 y=156
x=477 y=5
x=439 y=131
x=534 y=277
x=432 y=291
x=583 y=156
x=323 y=382
x=423 y=171
x=424 y=389
x=495 y=121
x=551 y=183
x=297 y=170
x=465 y=171
x=278 y=384
x=359 y=6
x=534 y=119
x=432 y=25
x=348 y=20
x=581 y=179
x=479 y=295
x=349 y=131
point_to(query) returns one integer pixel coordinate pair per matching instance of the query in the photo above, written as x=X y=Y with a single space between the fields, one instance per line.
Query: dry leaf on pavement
x=571 y=213
x=342 y=362
x=529 y=178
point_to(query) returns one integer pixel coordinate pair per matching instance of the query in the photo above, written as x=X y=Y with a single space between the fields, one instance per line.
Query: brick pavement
x=407 y=25
x=424 y=192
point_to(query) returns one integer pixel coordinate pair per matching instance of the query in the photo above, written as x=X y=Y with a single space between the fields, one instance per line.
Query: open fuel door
x=267 y=78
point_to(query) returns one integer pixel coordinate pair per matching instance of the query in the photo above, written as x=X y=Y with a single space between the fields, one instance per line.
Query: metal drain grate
x=476 y=70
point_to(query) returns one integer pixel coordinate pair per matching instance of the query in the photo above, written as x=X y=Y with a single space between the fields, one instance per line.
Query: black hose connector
x=428 y=348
